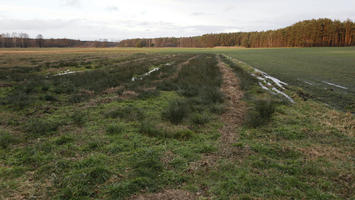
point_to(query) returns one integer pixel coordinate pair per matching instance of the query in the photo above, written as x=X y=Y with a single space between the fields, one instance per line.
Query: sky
x=122 y=19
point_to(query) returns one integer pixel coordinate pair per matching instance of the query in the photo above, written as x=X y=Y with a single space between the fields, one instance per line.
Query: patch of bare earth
x=167 y=195
x=232 y=118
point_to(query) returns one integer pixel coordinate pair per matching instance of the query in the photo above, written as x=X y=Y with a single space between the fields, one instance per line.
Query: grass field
x=318 y=71
x=149 y=123
x=313 y=69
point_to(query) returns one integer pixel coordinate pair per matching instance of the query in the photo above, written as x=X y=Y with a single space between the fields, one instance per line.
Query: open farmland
x=183 y=123
x=328 y=74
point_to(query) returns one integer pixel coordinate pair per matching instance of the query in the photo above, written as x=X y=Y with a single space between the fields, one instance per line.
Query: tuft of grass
x=200 y=119
x=176 y=111
x=7 y=139
x=64 y=140
x=129 y=113
x=78 y=118
x=146 y=175
x=183 y=134
x=218 y=109
x=260 y=113
x=115 y=129
x=41 y=127
x=212 y=95
x=150 y=129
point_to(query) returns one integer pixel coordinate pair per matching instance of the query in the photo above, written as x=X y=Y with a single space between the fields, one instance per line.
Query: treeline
x=309 y=33
x=22 y=40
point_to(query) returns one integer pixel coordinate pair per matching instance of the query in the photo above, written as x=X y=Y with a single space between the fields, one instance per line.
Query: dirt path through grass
x=235 y=110
x=232 y=118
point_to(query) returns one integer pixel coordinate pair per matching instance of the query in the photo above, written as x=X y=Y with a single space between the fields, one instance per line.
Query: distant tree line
x=22 y=40
x=309 y=33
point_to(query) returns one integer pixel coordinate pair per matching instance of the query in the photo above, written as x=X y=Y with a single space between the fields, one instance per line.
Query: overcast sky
x=121 y=19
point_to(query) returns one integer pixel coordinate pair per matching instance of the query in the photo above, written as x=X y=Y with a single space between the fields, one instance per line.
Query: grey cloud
x=200 y=14
x=71 y=3
x=112 y=8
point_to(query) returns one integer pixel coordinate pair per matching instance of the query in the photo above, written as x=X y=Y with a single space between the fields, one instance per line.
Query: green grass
x=98 y=135
x=301 y=66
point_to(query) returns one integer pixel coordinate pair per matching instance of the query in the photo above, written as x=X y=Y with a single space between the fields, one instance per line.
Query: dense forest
x=308 y=33
x=22 y=40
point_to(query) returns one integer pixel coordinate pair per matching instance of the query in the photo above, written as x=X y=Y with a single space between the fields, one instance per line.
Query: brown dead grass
x=166 y=195
x=236 y=109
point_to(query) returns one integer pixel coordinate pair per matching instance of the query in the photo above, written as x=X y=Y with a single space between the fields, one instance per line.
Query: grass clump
x=7 y=139
x=176 y=111
x=200 y=119
x=64 y=140
x=128 y=113
x=260 y=113
x=153 y=130
x=115 y=129
x=78 y=118
x=218 y=109
x=41 y=127
x=81 y=183
x=146 y=175
x=149 y=128
x=212 y=95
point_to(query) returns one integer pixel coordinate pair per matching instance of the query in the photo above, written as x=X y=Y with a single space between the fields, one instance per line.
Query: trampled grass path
x=235 y=110
x=232 y=119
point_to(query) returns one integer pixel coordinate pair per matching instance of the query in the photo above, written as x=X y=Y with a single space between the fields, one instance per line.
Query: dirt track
x=232 y=118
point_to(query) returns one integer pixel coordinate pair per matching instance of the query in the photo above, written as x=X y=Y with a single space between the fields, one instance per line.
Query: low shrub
x=261 y=112
x=115 y=129
x=212 y=95
x=200 y=119
x=150 y=129
x=218 y=109
x=41 y=127
x=189 y=90
x=176 y=111
x=64 y=140
x=183 y=134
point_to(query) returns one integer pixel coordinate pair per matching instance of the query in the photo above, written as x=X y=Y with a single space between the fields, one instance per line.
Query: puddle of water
x=65 y=73
x=266 y=82
x=278 y=82
x=309 y=83
x=263 y=86
x=283 y=94
x=146 y=74
x=335 y=85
